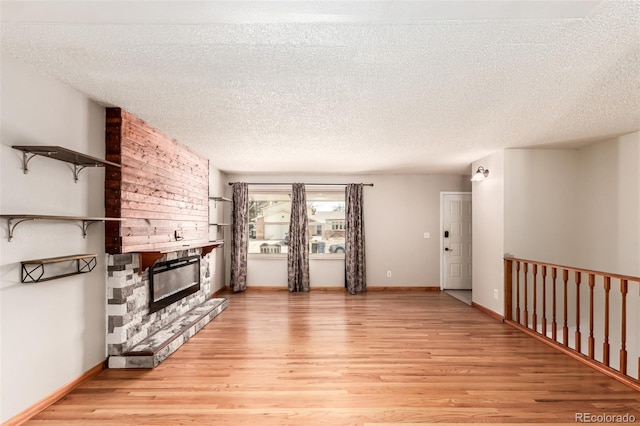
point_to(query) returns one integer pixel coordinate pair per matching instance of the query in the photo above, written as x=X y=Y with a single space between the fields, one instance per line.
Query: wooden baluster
x=605 y=345
x=578 y=335
x=554 y=324
x=534 y=317
x=508 y=290
x=518 y=292
x=623 y=334
x=526 y=302
x=544 y=300
x=565 y=327
x=592 y=283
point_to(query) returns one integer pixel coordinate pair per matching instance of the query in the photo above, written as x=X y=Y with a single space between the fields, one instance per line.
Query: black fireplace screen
x=172 y=280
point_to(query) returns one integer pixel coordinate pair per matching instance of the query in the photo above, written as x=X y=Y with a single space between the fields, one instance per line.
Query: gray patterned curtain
x=298 y=253
x=240 y=236
x=354 y=240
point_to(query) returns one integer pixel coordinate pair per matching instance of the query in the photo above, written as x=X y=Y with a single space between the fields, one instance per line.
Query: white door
x=456 y=241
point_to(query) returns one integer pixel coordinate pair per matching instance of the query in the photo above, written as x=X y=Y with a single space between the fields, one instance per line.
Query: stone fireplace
x=133 y=312
x=158 y=290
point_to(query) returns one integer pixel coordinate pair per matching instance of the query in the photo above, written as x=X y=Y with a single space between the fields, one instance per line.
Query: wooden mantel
x=149 y=258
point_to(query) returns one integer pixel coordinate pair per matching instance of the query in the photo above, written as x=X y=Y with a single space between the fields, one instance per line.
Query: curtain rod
x=306 y=184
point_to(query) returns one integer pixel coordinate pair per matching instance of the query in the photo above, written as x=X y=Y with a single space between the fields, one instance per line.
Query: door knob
x=447 y=249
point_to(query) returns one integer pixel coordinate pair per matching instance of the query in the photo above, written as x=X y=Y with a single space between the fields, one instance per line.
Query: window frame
x=326 y=195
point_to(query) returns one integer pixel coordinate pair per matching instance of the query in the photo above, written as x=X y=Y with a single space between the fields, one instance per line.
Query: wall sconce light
x=480 y=174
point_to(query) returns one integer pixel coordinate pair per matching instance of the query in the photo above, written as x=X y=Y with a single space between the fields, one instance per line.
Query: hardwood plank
x=143 y=134
x=178 y=176
x=330 y=358
x=162 y=208
x=130 y=214
x=163 y=165
x=159 y=179
x=141 y=193
x=146 y=178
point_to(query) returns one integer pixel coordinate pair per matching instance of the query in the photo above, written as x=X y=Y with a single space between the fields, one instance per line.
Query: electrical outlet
x=388 y=274
x=495 y=293
x=427 y=235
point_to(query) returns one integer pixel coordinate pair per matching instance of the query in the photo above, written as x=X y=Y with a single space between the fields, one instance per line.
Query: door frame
x=440 y=231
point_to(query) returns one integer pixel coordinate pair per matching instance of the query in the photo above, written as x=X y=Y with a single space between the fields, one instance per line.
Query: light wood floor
x=328 y=358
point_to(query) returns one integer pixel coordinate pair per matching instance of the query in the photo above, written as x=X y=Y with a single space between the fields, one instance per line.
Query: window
x=270 y=213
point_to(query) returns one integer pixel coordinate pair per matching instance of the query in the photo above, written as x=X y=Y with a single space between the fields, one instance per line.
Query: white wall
x=608 y=237
x=541 y=204
x=488 y=233
x=609 y=207
x=52 y=332
x=576 y=207
x=399 y=209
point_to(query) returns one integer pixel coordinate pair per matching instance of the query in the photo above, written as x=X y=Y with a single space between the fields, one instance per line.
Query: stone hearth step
x=150 y=352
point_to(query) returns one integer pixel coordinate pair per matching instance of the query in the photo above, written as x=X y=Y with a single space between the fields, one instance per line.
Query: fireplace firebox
x=172 y=280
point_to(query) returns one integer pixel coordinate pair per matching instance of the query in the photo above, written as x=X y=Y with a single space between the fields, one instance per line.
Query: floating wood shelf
x=33 y=270
x=14 y=220
x=79 y=161
x=148 y=258
x=220 y=199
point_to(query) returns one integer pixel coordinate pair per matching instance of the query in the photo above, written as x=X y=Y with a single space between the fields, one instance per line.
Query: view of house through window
x=270 y=212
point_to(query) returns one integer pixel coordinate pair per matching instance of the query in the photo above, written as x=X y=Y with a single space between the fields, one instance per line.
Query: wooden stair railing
x=523 y=302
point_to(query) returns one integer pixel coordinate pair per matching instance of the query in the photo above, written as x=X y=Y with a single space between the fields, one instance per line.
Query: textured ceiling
x=346 y=86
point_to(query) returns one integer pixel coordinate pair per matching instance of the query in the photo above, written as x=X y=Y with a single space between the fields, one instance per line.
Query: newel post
x=508 y=281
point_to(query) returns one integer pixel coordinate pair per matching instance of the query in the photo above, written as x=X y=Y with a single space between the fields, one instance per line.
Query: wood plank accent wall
x=162 y=187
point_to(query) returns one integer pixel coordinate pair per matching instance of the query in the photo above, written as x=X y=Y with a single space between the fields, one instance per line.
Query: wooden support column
x=518 y=292
x=534 y=316
x=624 y=288
x=565 y=327
x=544 y=300
x=578 y=336
x=526 y=294
x=554 y=323
x=592 y=283
x=508 y=295
x=605 y=345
